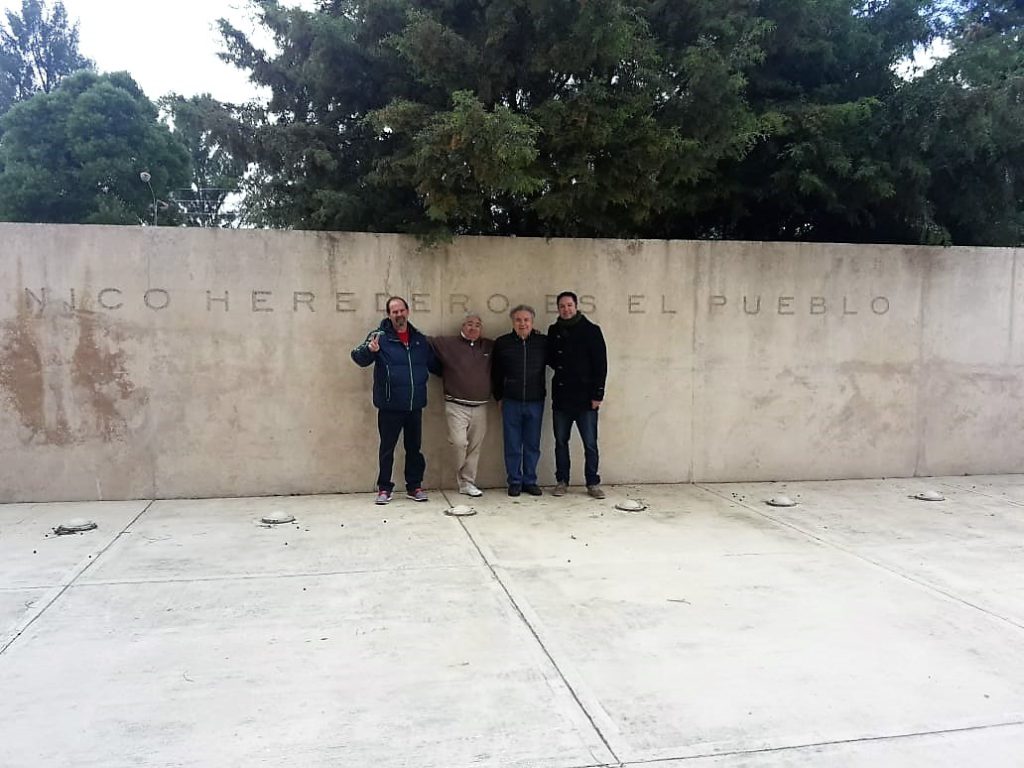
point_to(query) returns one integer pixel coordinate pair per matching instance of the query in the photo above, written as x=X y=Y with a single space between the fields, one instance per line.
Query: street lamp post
x=146 y=179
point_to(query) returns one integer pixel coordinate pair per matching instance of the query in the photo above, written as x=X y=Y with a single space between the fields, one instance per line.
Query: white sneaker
x=471 y=490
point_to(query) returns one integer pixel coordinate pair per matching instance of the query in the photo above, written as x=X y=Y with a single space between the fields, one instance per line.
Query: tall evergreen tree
x=760 y=119
x=823 y=172
x=506 y=116
x=967 y=115
x=38 y=48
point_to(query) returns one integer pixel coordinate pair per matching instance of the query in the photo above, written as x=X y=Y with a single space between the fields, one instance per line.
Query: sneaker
x=533 y=490
x=560 y=490
x=514 y=490
x=417 y=495
x=383 y=496
x=595 y=491
x=470 y=490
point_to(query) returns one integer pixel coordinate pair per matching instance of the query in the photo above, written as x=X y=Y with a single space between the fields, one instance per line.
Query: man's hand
x=374 y=344
x=595 y=405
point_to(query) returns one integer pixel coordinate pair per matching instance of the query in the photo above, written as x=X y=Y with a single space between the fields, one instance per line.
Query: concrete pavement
x=861 y=627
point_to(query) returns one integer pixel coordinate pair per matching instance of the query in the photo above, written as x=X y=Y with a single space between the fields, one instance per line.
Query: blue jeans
x=521 y=423
x=409 y=424
x=586 y=424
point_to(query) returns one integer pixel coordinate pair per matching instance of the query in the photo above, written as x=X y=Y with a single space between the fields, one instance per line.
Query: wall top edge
x=201 y=233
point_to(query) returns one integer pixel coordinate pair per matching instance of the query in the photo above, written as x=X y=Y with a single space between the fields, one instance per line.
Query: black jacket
x=517 y=367
x=578 y=354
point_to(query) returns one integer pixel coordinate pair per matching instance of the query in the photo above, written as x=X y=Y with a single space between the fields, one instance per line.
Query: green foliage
x=967 y=117
x=8 y=79
x=38 y=48
x=819 y=170
x=199 y=122
x=758 y=119
x=74 y=155
x=460 y=162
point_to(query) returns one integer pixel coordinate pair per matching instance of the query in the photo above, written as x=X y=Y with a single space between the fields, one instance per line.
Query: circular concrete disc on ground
x=276 y=518
x=75 y=525
x=780 y=501
x=929 y=496
x=460 y=510
x=631 y=505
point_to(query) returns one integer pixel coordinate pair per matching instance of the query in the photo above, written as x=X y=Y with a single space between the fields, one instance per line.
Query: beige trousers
x=467 y=426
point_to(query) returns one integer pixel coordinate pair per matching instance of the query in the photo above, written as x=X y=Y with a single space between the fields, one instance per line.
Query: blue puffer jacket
x=400 y=373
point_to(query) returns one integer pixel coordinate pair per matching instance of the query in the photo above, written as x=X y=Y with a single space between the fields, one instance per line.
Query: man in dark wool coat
x=577 y=353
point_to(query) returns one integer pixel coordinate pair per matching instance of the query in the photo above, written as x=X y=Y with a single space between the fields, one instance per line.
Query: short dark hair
x=387 y=306
x=570 y=294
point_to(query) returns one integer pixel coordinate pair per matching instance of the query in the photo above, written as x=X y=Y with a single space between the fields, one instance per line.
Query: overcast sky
x=167 y=45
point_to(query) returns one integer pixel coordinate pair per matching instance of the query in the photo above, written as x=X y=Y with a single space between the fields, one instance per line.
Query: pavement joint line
x=1003 y=499
x=836 y=742
x=539 y=641
x=258 y=576
x=866 y=559
x=54 y=594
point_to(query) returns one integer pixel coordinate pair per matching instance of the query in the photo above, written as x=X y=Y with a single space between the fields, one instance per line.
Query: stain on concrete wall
x=101 y=379
x=22 y=383
x=67 y=378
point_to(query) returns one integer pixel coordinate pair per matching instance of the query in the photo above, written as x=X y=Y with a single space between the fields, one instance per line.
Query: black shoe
x=514 y=490
x=533 y=490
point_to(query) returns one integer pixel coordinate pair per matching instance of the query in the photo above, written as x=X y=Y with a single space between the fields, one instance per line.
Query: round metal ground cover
x=75 y=525
x=780 y=501
x=929 y=496
x=460 y=510
x=631 y=505
x=276 y=518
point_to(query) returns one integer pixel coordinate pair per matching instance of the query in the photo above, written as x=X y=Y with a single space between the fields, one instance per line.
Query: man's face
x=472 y=328
x=566 y=308
x=399 y=314
x=522 y=323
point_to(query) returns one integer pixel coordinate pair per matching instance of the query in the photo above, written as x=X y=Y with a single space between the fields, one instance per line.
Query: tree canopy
x=75 y=155
x=966 y=118
x=760 y=119
x=38 y=48
x=216 y=173
x=741 y=119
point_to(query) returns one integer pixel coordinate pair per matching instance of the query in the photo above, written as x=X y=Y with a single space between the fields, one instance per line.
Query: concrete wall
x=138 y=362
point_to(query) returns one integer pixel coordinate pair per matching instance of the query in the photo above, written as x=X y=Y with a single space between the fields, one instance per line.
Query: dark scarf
x=571 y=322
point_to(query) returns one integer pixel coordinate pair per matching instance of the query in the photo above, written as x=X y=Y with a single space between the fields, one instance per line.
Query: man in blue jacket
x=402 y=362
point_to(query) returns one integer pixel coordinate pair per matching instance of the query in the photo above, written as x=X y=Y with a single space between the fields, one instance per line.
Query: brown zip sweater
x=465 y=368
